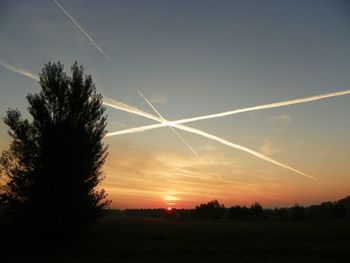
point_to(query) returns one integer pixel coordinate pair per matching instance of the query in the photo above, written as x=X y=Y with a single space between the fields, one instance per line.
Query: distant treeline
x=215 y=210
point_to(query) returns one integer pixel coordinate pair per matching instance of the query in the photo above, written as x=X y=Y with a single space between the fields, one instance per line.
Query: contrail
x=164 y=120
x=127 y=108
x=198 y=132
x=178 y=135
x=239 y=147
x=107 y=101
x=124 y=107
x=20 y=71
x=266 y=106
x=82 y=30
x=227 y=113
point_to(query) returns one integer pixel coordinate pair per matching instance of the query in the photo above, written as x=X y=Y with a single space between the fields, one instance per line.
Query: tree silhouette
x=210 y=210
x=298 y=213
x=52 y=169
x=238 y=212
x=256 y=211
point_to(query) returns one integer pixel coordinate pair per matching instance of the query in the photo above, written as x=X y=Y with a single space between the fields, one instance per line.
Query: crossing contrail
x=164 y=120
x=227 y=113
x=83 y=31
x=198 y=132
x=181 y=138
x=163 y=123
x=20 y=71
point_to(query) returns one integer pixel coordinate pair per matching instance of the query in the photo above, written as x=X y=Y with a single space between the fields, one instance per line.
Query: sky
x=192 y=58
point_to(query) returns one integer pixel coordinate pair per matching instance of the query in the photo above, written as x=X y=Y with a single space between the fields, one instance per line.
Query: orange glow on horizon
x=169 y=178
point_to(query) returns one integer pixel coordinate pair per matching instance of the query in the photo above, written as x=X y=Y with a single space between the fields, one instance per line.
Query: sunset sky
x=192 y=58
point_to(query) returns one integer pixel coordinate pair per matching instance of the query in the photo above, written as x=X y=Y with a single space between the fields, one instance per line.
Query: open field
x=162 y=240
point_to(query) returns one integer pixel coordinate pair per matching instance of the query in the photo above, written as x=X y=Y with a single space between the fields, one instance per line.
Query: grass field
x=162 y=240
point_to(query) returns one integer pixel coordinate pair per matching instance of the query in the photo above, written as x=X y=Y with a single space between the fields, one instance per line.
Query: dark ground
x=168 y=240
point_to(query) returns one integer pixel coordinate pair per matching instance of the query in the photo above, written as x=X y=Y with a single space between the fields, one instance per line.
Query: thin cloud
x=158 y=99
x=281 y=118
x=269 y=147
x=134 y=173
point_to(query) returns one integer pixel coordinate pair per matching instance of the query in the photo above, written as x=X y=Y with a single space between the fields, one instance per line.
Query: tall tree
x=52 y=169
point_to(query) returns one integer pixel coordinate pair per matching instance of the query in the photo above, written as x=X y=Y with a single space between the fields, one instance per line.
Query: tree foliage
x=254 y=212
x=52 y=169
x=210 y=210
